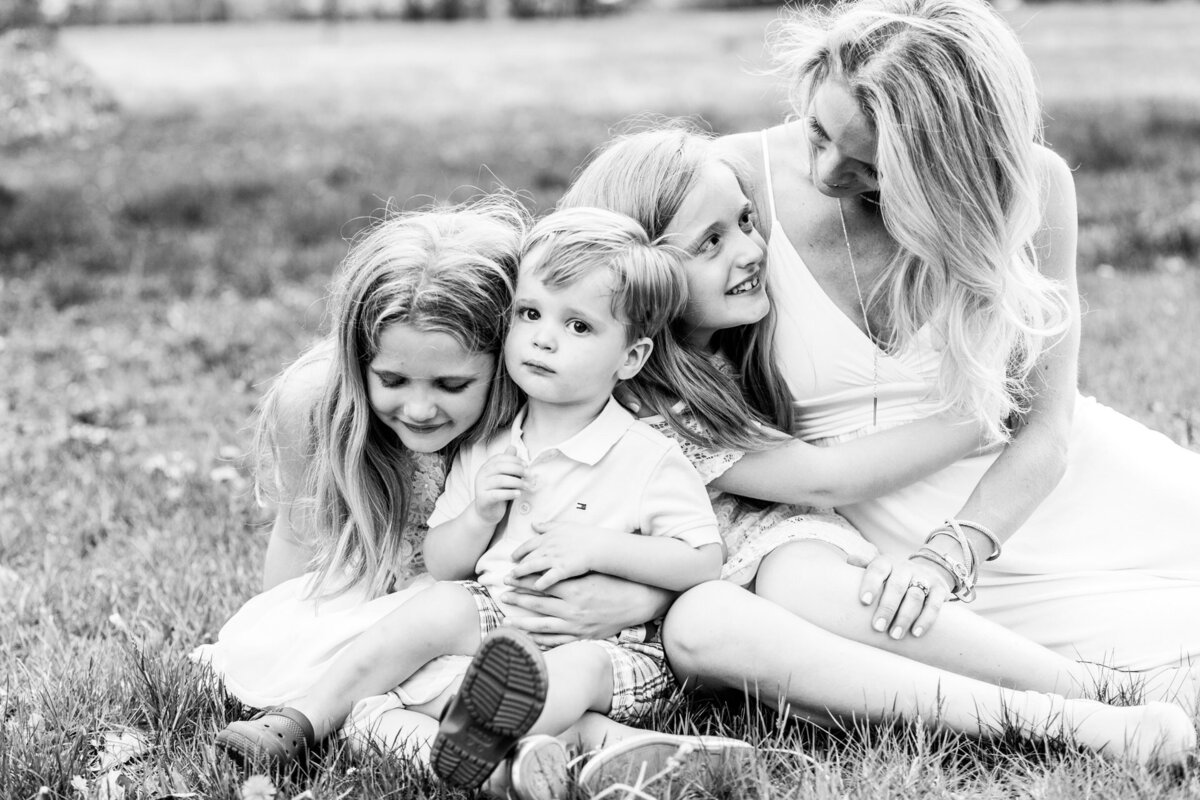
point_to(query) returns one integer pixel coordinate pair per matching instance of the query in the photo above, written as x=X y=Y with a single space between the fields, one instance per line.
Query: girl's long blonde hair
x=952 y=100
x=448 y=270
x=647 y=176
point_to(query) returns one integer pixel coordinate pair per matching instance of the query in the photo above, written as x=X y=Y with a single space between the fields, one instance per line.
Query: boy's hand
x=557 y=555
x=499 y=480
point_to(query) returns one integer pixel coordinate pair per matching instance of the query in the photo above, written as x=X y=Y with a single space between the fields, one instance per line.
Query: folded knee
x=699 y=624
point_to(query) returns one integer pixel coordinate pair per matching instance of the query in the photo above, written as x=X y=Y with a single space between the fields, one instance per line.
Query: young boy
x=592 y=295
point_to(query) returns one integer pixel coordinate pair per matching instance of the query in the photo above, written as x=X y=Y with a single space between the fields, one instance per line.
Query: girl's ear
x=635 y=358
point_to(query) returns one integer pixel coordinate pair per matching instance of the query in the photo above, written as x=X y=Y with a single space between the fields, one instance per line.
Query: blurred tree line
x=26 y=13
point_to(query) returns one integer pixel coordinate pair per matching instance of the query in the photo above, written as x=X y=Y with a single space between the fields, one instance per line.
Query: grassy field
x=155 y=273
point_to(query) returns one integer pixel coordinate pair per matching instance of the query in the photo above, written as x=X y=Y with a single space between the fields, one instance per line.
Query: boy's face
x=565 y=347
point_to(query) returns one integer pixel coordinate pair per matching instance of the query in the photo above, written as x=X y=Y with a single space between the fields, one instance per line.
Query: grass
x=156 y=273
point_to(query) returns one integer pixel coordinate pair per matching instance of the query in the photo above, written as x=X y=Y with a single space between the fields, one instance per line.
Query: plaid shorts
x=642 y=681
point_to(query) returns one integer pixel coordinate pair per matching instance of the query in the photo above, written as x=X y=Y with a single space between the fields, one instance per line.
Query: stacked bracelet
x=965 y=572
x=964 y=581
x=993 y=540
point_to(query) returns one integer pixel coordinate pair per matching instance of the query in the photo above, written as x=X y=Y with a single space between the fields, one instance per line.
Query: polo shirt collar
x=590 y=444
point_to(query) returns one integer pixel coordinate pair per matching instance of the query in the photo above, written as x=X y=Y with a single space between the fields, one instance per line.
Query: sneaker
x=666 y=763
x=538 y=769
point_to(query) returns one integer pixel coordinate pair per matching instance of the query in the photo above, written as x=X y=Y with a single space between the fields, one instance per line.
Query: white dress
x=275 y=648
x=1108 y=566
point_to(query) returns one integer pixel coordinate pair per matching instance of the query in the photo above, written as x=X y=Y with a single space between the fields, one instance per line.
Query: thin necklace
x=866 y=322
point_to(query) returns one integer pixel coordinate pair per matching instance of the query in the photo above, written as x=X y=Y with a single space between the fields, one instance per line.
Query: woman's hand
x=900 y=603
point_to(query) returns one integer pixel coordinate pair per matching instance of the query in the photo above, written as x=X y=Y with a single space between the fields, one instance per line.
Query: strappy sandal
x=501 y=696
x=277 y=737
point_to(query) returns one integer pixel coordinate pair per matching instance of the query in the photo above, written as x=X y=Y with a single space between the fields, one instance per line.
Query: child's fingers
x=504 y=465
x=499 y=495
x=490 y=482
x=524 y=548
x=549 y=578
x=530 y=566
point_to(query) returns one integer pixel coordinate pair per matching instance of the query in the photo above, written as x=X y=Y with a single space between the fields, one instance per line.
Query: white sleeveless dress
x=276 y=646
x=1106 y=569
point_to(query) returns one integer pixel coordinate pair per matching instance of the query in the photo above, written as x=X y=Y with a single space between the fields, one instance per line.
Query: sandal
x=501 y=696
x=669 y=762
x=280 y=737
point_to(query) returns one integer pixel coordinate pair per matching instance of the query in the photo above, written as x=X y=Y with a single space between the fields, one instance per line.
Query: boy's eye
x=577 y=326
x=528 y=314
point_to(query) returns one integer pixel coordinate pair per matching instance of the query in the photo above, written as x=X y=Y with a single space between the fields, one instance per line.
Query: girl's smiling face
x=426 y=387
x=725 y=277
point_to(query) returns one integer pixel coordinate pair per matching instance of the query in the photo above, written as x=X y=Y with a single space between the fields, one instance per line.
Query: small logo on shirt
x=581 y=506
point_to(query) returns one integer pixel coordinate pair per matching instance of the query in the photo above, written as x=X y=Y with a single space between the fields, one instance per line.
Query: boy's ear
x=635 y=358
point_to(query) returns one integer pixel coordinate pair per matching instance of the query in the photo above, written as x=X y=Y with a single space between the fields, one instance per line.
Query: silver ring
x=917 y=583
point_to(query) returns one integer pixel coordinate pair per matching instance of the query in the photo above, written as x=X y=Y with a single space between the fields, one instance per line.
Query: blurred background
x=178 y=181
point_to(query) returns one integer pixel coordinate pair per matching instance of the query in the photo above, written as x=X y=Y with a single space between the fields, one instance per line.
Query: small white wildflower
x=258 y=787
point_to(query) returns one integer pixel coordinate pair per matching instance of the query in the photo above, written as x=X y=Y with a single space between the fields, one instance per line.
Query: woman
x=922 y=244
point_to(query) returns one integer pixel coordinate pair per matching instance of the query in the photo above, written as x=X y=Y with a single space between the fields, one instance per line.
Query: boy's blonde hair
x=648 y=286
x=447 y=270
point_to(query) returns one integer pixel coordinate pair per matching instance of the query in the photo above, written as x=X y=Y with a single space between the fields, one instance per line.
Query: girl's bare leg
x=813 y=581
x=718 y=634
x=442 y=620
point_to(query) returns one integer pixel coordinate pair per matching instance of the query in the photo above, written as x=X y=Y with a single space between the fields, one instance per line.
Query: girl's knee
x=700 y=621
x=802 y=566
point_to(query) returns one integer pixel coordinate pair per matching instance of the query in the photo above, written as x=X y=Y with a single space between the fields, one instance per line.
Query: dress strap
x=767 y=173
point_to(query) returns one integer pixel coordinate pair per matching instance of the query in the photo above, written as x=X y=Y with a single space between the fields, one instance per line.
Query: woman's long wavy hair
x=647 y=176
x=448 y=270
x=952 y=100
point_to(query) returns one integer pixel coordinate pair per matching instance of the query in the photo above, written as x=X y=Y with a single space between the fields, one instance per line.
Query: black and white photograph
x=610 y=399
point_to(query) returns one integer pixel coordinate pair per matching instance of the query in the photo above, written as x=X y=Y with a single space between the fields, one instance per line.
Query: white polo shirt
x=616 y=473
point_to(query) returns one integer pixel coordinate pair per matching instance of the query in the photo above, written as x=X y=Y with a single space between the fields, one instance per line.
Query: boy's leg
x=580 y=680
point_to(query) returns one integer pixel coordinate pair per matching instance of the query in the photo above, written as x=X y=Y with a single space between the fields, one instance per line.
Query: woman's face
x=842 y=143
x=426 y=387
x=726 y=286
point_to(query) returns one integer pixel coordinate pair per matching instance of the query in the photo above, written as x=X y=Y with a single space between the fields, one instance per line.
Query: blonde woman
x=922 y=256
